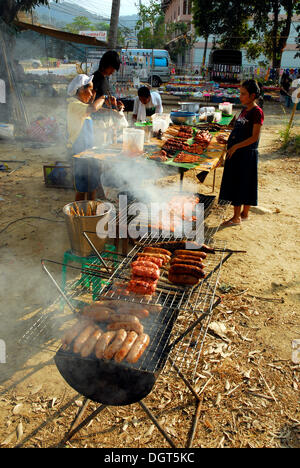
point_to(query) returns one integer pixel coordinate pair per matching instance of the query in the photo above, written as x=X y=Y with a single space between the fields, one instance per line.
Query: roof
x=63 y=35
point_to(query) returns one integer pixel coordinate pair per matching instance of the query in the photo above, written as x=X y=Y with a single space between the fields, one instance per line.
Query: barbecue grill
x=176 y=333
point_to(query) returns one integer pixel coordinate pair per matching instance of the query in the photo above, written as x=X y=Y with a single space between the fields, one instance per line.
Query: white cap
x=78 y=82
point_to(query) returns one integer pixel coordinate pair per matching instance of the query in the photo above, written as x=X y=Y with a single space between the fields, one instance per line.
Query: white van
x=156 y=63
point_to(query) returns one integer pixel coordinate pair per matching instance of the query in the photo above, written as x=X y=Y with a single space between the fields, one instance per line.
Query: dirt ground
x=248 y=386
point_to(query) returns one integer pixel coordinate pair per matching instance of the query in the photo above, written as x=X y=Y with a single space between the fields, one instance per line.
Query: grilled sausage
x=164 y=258
x=183 y=269
x=82 y=338
x=138 y=348
x=158 y=261
x=126 y=346
x=124 y=318
x=98 y=313
x=142 y=287
x=187 y=261
x=183 y=280
x=115 y=345
x=132 y=308
x=157 y=250
x=191 y=252
x=145 y=272
x=103 y=342
x=108 y=303
x=128 y=326
x=145 y=263
x=71 y=334
x=90 y=344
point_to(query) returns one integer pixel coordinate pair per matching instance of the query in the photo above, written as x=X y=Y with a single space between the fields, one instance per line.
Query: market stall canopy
x=65 y=36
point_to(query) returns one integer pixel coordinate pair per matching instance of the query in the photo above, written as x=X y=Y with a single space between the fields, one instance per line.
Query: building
x=177 y=11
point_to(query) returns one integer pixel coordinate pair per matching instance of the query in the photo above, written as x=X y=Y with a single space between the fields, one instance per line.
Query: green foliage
x=249 y=24
x=80 y=23
x=10 y=8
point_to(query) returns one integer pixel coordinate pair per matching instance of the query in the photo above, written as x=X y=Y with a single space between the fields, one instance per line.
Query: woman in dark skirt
x=239 y=182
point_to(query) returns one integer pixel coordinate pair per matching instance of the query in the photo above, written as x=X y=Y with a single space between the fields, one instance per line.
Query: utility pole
x=114 y=21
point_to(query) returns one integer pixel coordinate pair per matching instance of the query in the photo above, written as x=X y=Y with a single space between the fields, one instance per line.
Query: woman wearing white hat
x=81 y=134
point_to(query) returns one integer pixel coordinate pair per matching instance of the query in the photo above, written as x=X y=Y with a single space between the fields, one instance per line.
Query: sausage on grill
x=183 y=269
x=128 y=326
x=145 y=263
x=145 y=272
x=183 y=280
x=126 y=346
x=71 y=334
x=187 y=261
x=124 y=318
x=115 y=345
x=191 y=252
x=98 y=313
x=132 y=308
x=156 y=260
x=157 y=250
x=89 y=345
x=103 y=342
x=138 y=348
x=82 y=338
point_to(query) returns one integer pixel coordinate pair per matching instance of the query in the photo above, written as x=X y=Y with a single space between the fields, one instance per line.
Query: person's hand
x=111 y=101
x=120 y=105
x=231 y=151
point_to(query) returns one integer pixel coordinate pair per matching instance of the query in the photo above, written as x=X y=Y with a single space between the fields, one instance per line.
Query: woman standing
x=239 y=182
x=81 y=105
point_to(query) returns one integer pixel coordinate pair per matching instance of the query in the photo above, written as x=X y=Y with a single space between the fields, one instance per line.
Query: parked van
x=156 y=62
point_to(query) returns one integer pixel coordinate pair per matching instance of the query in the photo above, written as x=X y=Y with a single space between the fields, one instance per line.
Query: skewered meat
x=126 y=346
x=115 y=345
x=138 y=348
x=186 y=158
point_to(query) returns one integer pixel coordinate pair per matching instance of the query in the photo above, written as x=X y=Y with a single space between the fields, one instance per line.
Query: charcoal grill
x=177 y=333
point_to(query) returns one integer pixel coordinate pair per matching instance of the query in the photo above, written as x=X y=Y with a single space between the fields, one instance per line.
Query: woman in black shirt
x=109 y=63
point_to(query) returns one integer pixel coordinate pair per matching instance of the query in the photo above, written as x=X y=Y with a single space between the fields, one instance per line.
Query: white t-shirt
x=155 y=102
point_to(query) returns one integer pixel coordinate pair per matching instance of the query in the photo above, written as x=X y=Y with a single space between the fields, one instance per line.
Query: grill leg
x=73 y=429
x=156 y=423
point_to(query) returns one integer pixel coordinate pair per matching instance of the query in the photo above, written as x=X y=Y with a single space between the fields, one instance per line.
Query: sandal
x=230 y=223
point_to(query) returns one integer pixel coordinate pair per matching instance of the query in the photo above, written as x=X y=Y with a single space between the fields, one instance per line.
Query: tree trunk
x=205 y=52
x=275 y=32
x=114 y=21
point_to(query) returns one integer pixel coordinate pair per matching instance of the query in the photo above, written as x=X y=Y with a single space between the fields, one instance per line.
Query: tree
x=10 y=8
x=149 y=24
x=80 y=23
x=260 y=27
